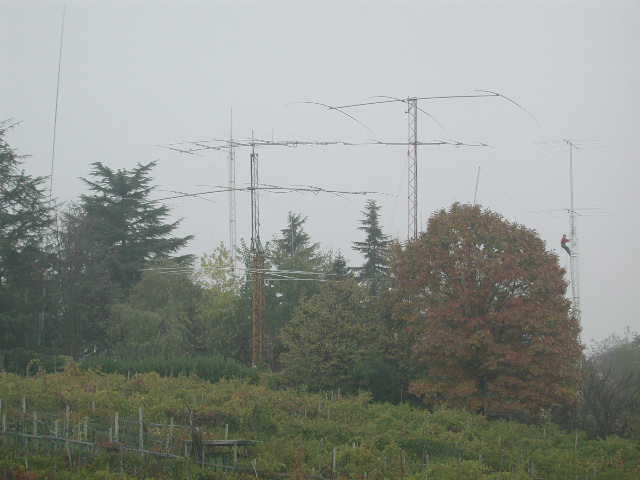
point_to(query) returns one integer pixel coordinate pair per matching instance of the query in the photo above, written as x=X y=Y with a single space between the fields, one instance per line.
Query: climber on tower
x=563 y=243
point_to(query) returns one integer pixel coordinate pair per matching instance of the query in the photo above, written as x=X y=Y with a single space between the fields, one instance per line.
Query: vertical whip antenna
x=55 y=114
x=232 y=197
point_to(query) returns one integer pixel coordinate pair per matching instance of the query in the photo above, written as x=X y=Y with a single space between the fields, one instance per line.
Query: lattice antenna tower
x=574 y=264
x=258 y=298
x=233 y=209
x=413 y=142
x=412 y=159
x=257 y=251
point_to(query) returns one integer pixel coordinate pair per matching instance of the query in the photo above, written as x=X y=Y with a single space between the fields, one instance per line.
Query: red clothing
x=564 y=240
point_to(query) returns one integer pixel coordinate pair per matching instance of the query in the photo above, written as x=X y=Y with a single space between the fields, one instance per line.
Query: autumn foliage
x=486 y=303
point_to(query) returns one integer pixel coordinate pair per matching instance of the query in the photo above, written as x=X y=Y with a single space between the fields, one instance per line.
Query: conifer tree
x=339 y=267
x=290 y=252
x=375 y=249
x=107 y=240
x=130 y=227
x=25 y=218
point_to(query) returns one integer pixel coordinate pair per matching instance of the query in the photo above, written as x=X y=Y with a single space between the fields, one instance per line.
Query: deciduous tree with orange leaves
x=486 y=303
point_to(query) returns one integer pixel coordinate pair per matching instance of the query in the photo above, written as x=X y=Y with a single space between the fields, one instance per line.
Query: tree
x=220 y=325
x=86 y=288
x=106 y=241
x=154 y=319
x=297 y=258
x=375 y=248
x=486 y=304
x=339 y=267
x=611 y=388
x=330 y=338
x=130 y=228
x=25 y=263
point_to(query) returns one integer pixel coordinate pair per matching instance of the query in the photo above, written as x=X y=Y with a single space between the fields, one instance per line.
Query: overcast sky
x=139 y=75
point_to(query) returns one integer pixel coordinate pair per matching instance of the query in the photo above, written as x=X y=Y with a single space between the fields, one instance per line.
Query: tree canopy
x=25 y=262
x=486 y=302
x=374 y=248
x=130 y=228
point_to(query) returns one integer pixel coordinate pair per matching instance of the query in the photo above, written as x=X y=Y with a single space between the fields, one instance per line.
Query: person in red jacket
x=563 y=243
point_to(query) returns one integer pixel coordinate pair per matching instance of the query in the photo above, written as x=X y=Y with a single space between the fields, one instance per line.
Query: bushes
x=298 y=431
x=29 y=362
x=213 y=368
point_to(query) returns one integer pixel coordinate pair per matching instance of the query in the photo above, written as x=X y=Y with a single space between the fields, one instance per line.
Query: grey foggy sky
x=141 y=74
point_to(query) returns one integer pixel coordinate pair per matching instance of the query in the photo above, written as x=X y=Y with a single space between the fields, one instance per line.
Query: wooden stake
x=140 y=430
x=67 y=415
x=333 y=460
x=116 y=427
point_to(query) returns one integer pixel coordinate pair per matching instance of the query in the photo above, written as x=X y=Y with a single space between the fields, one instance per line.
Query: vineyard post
x=226 y=431
x=169 y=436
x=116 y=427
x=86 y=429
x=55 y=427
x=35 y=424
x=333 y=461
x=67 y=414
x=140 y=431
x=3 y=415
x=24 y=414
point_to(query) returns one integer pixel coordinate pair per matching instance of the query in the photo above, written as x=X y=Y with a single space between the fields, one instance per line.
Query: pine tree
x=339 y=267
x=107 y=240
x=290 y=253
x=25 y=218
x=375 y=248
x=130 y=227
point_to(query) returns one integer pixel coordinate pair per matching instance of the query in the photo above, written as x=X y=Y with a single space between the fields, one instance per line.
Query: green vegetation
x=299 y=431
x=413 y=365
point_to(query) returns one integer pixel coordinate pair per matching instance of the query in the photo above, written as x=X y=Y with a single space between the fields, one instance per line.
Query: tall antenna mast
x=232 y=197
x=412 y=159
x=55 y=114
x=258 y=300
x=574 y=266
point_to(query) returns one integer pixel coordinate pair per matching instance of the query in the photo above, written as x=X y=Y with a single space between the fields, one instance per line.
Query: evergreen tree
x=375 y=248
x=291 y=252
x=339 y=267
x=106 y=241
x=25 y=265
x=129 y=227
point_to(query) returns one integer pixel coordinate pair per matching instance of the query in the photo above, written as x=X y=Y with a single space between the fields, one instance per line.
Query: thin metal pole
x=55 y=114
x=475 y=193
x=232 y=197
